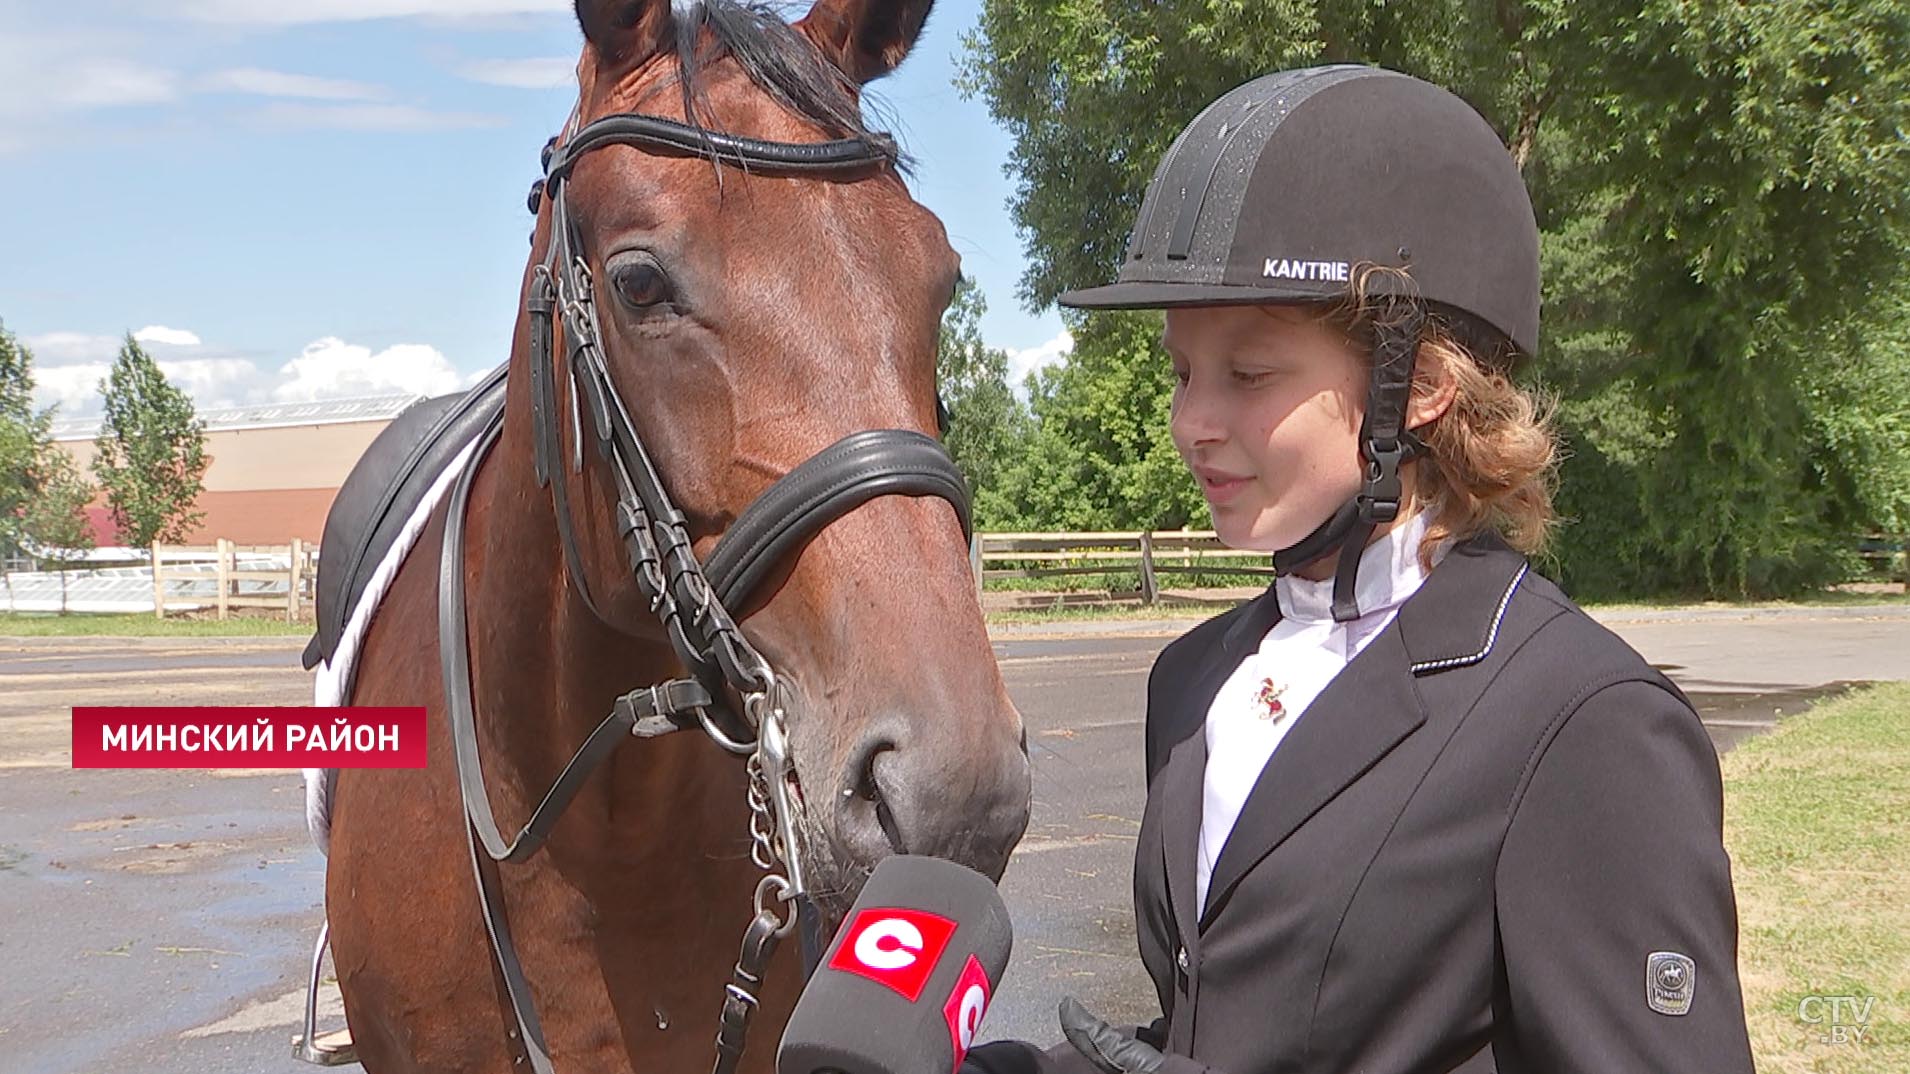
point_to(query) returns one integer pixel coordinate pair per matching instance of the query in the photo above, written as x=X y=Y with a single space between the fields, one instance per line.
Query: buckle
x=1380 y=495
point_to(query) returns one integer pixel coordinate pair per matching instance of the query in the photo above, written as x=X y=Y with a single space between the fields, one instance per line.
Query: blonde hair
x=1492 y=458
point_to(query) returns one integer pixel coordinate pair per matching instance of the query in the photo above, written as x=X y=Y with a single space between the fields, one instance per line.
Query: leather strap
x=647 y=712
x=454 y=656
x=655 y=132
x=828 y=485
x=1385 y=443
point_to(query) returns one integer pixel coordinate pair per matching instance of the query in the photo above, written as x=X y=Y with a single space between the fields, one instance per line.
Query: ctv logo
x=894 y=947
x=965 y=1007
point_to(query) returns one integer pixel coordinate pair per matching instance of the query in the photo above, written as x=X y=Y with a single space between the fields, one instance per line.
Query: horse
x=712 y=464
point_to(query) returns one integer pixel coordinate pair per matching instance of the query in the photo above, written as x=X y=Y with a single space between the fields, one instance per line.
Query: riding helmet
x=1287 y=187
x=1281 y=189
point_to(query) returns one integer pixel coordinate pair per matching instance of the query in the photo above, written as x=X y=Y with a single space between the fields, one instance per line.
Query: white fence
x=176 y=578
x=227 y=576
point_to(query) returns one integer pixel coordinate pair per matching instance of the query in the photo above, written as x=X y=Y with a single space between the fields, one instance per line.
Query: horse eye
x=641 y=283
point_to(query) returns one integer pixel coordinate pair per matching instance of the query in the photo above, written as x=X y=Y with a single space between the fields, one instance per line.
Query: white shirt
x=1299 y=656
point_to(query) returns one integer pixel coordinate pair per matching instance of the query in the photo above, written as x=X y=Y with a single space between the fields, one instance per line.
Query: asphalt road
x=155 y=921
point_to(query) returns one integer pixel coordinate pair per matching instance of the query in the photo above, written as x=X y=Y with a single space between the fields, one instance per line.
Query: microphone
x=904 y=984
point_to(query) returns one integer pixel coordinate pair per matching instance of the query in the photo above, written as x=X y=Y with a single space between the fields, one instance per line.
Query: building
x=274 y=468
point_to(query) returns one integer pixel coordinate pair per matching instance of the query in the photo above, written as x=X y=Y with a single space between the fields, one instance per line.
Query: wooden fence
x=220 y=577
x=1886 y=556
x=227 y=576
x=1151 y=553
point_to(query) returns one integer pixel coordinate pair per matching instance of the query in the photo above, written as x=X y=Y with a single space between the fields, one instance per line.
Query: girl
x=1411 y=810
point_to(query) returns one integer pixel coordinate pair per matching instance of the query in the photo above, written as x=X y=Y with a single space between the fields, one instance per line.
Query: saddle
x=380 y=494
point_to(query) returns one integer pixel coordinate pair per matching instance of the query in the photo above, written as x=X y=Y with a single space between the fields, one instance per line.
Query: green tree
x=987 y=425
x=23 y=435
x=150 y=451
x=1723 y=189
x=1100 y=456
x=1763 y=252
x=55 y=521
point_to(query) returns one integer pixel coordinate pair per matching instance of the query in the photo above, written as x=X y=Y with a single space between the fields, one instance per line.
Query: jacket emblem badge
x=1267 y=701
x=1670 y=979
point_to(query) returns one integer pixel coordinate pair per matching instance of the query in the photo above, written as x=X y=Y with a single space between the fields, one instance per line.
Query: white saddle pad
x=334 y=677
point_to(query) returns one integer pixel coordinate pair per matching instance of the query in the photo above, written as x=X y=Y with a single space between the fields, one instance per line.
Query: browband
x=655 y=132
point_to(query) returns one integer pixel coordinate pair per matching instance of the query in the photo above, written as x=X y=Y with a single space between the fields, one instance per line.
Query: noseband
x=691 y=599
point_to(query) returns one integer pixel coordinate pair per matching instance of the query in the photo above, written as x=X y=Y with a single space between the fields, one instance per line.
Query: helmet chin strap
x=1385 y=443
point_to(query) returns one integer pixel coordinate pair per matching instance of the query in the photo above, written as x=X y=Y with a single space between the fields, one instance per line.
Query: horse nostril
x=884 y=816
x=866 y=786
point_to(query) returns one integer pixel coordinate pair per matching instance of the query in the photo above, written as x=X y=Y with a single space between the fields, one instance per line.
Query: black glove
x=1107 y=1047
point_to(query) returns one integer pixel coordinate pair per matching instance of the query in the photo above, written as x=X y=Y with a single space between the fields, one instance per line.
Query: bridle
x=691 y=599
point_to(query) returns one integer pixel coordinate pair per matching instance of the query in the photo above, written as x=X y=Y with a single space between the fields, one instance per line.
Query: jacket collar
x=1373 y=705
x=1454 y=619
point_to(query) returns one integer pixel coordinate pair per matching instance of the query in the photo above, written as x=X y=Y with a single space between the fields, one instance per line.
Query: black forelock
x=777 y=58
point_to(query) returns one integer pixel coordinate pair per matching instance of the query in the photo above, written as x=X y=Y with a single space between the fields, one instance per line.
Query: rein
x=691 y=599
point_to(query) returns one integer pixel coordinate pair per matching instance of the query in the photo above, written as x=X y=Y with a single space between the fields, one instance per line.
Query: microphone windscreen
x=904 y=984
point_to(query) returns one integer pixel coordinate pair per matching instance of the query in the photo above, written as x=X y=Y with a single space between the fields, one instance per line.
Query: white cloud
x=1028 y=359
x=332 y=368
x=285 y=84
x=540 y=72
x=370 y=117
x=68 y=368
x=63 y=348
x=159 y=333
x=73 y=388
x=215 y=382
x=308 y=11
x=112 y=83
x=46 y=77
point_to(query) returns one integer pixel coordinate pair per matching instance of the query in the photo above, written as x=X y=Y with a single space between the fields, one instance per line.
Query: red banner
x=245 y=736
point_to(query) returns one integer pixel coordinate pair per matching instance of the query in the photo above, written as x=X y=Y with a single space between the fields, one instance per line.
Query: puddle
x=1733 y=716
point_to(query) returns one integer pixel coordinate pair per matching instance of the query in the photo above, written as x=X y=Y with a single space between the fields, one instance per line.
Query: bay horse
x=711 y=465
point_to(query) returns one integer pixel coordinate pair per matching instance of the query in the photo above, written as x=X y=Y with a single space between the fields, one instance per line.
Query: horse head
x=753 y=315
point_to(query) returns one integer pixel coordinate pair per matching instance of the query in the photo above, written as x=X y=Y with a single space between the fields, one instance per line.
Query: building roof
x=268 y=415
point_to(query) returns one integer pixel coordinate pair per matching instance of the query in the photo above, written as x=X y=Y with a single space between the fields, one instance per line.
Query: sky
x=289 y=200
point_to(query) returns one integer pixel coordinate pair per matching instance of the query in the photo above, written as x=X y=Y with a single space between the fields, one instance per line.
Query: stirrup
x=332 y=1049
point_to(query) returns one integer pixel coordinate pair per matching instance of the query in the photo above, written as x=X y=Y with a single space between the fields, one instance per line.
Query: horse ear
x=866 y=38
x=624 y=29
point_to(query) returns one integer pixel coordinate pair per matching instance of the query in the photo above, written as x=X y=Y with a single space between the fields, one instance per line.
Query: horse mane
x=778 y=59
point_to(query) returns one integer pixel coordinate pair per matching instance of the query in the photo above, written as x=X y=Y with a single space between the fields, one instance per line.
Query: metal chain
x=762 y=826
x=772 y=843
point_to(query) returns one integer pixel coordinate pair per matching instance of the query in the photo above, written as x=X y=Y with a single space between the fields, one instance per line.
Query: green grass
x=140 y=625
x=1817 y=819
